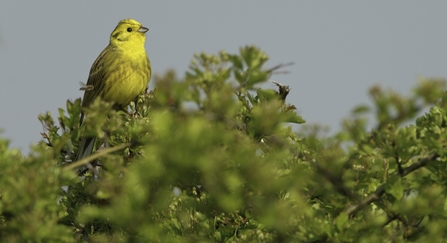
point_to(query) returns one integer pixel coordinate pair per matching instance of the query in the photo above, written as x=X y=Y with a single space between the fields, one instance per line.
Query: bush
x=212 y=158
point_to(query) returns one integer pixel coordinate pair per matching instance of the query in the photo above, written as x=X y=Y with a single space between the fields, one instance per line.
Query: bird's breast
x=129 y=79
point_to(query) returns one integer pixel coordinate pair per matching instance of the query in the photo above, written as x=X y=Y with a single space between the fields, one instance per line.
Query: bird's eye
x=129 y=29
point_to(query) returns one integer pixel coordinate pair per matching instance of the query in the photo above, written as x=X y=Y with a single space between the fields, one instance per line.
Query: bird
x=119 y=74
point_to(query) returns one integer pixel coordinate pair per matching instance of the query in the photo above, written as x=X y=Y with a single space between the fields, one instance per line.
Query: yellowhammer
x=120 y=73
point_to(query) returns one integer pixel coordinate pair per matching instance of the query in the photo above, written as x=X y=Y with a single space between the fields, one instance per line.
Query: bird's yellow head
x=128 y=32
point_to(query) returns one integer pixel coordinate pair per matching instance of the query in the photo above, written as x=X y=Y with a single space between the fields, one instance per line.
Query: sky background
x=340 y=49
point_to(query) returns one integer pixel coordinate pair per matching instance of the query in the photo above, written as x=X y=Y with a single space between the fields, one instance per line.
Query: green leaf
x=341 y=221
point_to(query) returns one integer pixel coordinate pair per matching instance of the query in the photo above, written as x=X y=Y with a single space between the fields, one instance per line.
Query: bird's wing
x=95 y=78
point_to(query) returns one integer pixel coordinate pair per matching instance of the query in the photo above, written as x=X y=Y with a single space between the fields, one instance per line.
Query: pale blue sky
x=340 y=48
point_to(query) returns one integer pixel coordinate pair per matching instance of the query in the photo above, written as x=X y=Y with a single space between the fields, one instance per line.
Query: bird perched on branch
x=120 y=73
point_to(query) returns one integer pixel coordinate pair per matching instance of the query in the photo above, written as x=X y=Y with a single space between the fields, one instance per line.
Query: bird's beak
x=143 y=29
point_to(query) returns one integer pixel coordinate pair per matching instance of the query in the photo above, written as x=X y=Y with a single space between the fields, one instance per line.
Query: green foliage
x=212 y=158
x=30 y=192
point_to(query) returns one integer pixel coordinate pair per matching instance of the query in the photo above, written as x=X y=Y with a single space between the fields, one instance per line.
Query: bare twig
x=280 y=66
x=96 y=155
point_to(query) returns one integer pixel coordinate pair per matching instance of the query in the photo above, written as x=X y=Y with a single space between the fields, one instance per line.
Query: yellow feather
x=120 y=73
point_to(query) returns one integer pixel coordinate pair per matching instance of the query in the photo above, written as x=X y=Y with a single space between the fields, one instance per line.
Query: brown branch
x=420 y=163
x=351 y=210
x=335 y=180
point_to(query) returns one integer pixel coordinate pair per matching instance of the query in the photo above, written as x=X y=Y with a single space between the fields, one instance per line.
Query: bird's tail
x=85 y=149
